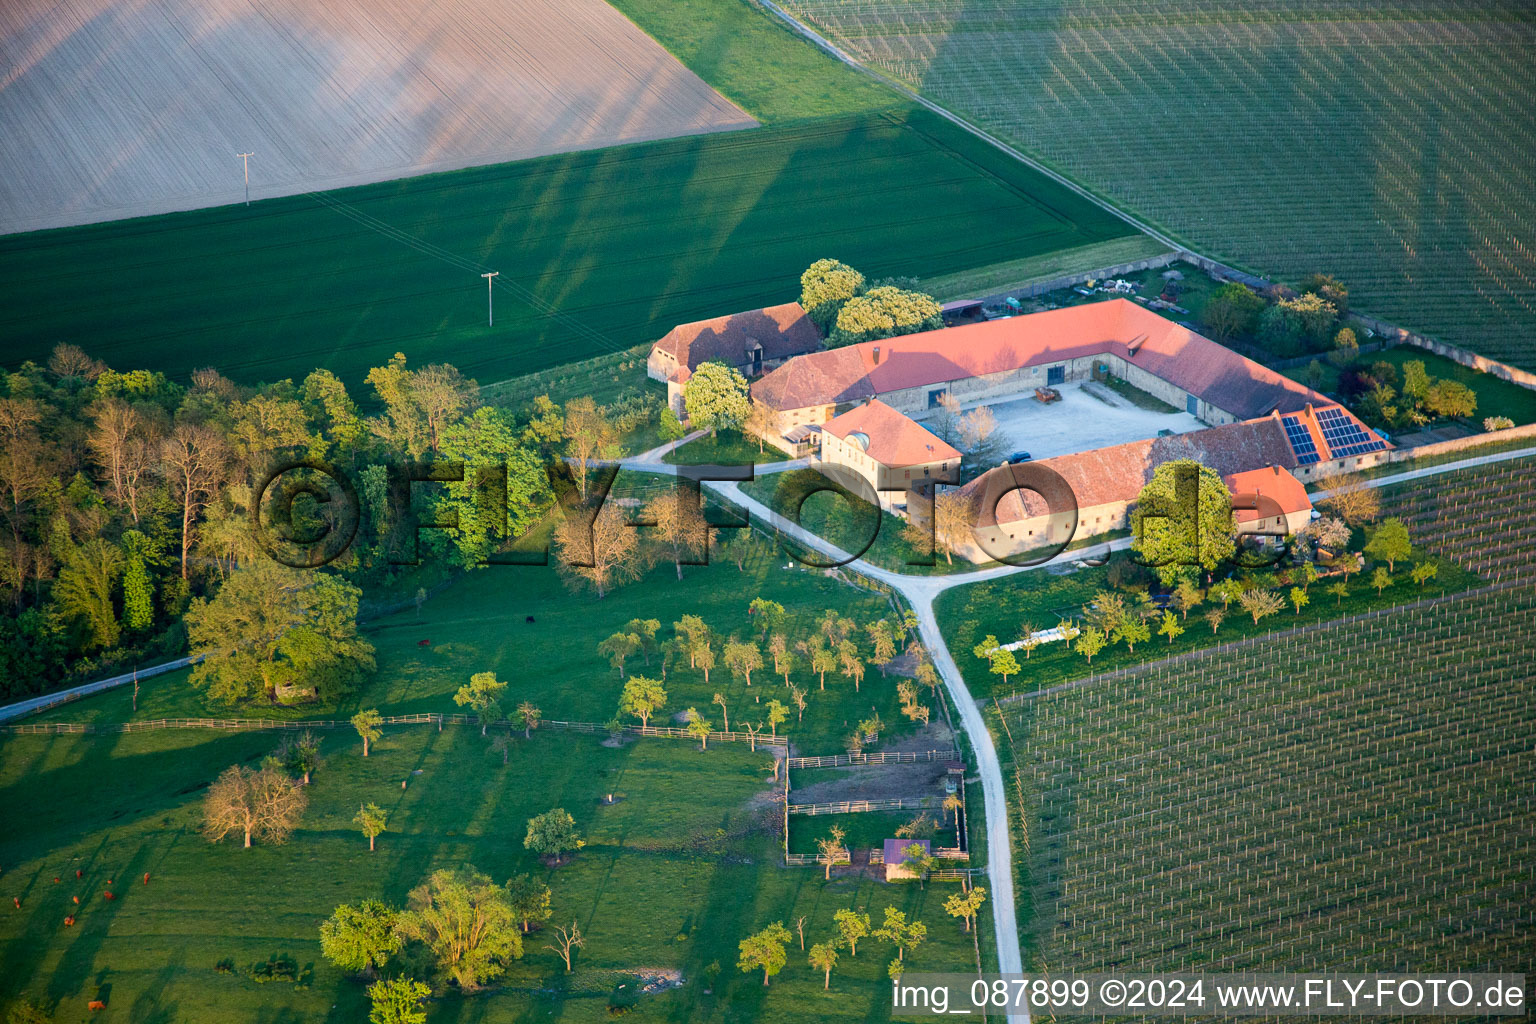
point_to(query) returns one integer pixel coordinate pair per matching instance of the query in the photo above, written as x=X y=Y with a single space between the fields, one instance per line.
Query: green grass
x=1138 y=397
x=674 y=875
x=599 y=252
x=1021 y=273
x=1000 y=607
x=1206 y=120
x=865 y=831
x=478 y=624
x=725 y=448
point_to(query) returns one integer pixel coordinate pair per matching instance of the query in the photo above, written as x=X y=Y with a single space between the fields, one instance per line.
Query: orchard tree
x=553 y=834
x=777 y=712
x=725 y=713
x=466 y=922
x=1381 y=579
x=831 y=849
x=1214 y=618
x=360 y=938
x=262 y=804
x=1299 y=598
x=1340 y=591
x=1390 y=543
x=882 y=638
x=483 y=695
x=530 y=900
x=1003 y=663
x=367 y=723
x=764 y=951
x=301 y=754
x=851 y=926
x=901 y=933
x=1170 y=627
x=590 y=437
x=1232 y=310
x=1133 y=630
x=742 y=658
x=697 y=727
x=797 y=695
x=768 y=616
x=371 y=820
x=716 y=397
x=1424 y=572
x=642 y=697
x=823 y=957
x=783 y=657
x=1187 y=597
x=529 y=716
x=1182 y=521
x=1260 y=603
x=966 y=905
x=1090 y=642
x=618 y=648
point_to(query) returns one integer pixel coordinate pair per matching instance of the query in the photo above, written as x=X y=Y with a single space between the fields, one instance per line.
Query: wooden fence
x=903 y=803
x=890 y=757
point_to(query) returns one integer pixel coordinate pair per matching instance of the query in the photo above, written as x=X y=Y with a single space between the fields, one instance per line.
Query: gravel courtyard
x=1088 y=416
x=114 y=110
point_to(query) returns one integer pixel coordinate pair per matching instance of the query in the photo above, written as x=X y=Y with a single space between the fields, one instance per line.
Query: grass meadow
x=682 y=867
x=598 y=251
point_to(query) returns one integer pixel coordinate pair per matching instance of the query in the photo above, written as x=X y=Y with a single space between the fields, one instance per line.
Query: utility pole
x=490 y=311
x=245 y=158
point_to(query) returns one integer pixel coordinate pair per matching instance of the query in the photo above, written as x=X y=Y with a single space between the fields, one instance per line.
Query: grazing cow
x=16 y=900
x=111 y=895
x=78 y=872
x=529 y=620
x=76 y=899
x=69 y=922
x=55 y=881
x=146 y=878
x=96 y=1004
x=423 y=643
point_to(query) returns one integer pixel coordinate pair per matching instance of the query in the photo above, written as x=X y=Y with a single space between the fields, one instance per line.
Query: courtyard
x=1089 y=415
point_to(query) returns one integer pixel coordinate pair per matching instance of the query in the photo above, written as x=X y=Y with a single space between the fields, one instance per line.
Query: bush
x=1491 y=423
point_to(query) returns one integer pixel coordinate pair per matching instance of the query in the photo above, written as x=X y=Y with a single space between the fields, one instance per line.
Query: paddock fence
x=892 y=757
x=903 y=803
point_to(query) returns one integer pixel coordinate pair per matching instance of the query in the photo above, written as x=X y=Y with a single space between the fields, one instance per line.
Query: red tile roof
x=1118 y=327
x=782 y=331
x=892 y=438
x=1104 y=476
x=1273 y=483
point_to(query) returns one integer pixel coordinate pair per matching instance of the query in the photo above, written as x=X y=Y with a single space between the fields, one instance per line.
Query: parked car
x=1018 y=457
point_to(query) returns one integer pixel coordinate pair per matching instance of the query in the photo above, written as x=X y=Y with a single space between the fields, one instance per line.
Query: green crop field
x=597 y=251
x=684 y=865
x=1353 y=798
x=1384 y=141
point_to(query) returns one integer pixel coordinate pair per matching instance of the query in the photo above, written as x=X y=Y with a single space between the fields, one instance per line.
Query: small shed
x=896 y=866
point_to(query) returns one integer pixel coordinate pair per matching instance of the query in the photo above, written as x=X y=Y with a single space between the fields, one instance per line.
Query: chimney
x=877 y=355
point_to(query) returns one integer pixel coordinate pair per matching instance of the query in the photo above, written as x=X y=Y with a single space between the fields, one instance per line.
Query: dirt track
x=116 y=109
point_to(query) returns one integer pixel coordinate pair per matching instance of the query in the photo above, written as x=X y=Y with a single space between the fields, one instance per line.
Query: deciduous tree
x=764 y=951
x=697 y=727
x=361 y=937
x=966 y=905
x=530 y=900
x=553 y=834
x=1390 y=543
x=397 y=1001
x=1182 y=521
x=367 y=724
x=567 y=941
x=590 y=436
x=742 y=658
x=1260 y=603
x=259 y=804
x=466 y=922
x=482 y=694
x=618 y=647
x=1170 y=627
x=371 y=821
x=716 y=397
x=823 y=957
x=831 y=850
x=642 y=697
x=851 y=926
x=603 y=551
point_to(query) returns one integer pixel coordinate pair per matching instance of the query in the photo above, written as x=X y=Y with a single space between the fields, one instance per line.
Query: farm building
x=1283 y=506
x=888 y=450
x=896 y=866
x=753 y=342
x=1105 y=483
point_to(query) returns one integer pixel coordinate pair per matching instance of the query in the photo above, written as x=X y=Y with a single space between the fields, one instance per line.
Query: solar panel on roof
x=1301 y=440
x=1345 y=437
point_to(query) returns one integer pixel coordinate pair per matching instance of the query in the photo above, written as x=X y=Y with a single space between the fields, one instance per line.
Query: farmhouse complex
x=862 y=408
